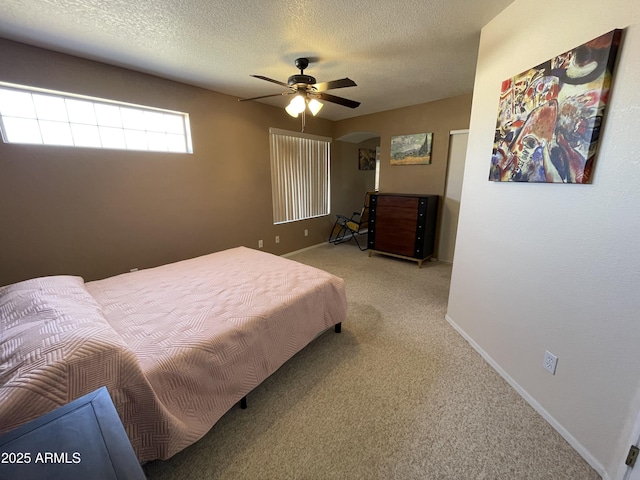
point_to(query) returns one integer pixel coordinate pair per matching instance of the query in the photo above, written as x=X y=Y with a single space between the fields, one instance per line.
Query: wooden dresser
x=403 y=225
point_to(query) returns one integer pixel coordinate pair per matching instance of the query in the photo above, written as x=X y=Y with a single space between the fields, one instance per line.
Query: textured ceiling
x=399 y=52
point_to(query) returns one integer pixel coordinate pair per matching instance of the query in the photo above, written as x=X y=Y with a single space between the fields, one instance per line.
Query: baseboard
x=303 y=249
x=436 y=259
x=443 y=261
x=577 y=446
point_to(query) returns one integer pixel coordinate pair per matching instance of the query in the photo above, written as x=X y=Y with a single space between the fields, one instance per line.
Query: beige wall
x=437 y=117
x=349 y=184
x=96 y=213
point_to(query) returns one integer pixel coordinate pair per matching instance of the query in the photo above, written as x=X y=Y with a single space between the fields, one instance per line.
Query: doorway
x=452 y=194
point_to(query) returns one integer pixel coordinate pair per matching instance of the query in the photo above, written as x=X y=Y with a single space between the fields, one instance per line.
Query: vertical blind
x=300 y=183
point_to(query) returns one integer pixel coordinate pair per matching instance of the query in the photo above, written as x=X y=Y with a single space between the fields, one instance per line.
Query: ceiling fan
x=307 y=92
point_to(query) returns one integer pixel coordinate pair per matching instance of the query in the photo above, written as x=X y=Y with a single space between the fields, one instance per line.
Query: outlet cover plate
x=550 y=362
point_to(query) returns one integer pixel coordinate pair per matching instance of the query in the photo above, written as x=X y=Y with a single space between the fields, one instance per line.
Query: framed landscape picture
x=550 y=117
x=414 y=149
x=366 y=159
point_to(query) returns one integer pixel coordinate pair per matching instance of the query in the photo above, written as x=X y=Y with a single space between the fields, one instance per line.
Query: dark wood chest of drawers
x=403 y=225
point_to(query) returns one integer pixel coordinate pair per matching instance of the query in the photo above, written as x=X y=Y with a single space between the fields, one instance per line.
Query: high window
x=299 y=175
x=37 y=116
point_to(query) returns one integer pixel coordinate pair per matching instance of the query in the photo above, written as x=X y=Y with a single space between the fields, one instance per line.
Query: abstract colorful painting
x=412 y=149
x=550 y=117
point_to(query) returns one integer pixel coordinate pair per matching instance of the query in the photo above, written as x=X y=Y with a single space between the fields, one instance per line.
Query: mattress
x=176 y=345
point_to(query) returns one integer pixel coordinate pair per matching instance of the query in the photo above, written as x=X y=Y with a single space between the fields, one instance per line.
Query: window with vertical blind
x=300 y=167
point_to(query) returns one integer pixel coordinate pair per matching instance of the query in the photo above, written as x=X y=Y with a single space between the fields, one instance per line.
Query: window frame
x=129 y=135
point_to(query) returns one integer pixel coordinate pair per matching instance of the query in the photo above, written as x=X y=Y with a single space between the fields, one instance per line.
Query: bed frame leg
x=243 y=402
x=338 y=327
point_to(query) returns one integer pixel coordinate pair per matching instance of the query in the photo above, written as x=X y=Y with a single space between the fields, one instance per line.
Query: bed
x=176 y=345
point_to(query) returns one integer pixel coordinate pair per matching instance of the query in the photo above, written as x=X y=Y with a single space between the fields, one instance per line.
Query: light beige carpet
x=399 y=394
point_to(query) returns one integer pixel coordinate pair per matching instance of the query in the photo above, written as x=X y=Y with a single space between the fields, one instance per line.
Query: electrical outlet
x=550 y=362
x=260 y=244
x=306 y=232
x=277 y=238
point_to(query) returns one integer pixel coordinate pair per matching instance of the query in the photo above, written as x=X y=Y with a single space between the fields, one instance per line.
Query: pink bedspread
x=176 y=346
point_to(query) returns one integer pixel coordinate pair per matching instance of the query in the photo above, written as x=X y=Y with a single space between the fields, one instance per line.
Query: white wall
x=557 y=267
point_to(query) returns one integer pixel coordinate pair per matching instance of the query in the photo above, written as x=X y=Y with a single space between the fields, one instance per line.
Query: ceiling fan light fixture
x=296 y=106
x=291 y=111
x=305 y=92
x=315 y=106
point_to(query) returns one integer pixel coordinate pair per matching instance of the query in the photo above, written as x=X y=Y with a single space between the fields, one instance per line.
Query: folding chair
x=347 y=228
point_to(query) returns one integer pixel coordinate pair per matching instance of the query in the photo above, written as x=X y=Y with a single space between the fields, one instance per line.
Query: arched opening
x=355 y=170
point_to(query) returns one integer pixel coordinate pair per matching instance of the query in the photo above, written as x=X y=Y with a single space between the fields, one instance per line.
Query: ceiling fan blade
x=264 y=96
x=277 y=82
x=339 y=100
x=342 y=83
